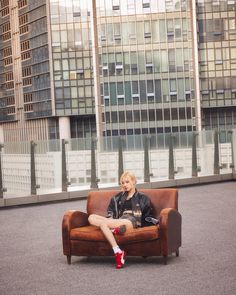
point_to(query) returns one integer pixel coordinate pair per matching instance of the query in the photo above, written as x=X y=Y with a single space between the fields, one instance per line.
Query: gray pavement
x=32 y=262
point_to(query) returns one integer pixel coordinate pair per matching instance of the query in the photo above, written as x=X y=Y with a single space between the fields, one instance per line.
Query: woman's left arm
x=146 y=210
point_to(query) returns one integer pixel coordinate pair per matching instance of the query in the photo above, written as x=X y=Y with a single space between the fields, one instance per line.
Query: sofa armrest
x=170 y=230
x=71 y=219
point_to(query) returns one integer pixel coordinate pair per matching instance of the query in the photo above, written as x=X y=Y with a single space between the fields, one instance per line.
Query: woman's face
x=127 y=183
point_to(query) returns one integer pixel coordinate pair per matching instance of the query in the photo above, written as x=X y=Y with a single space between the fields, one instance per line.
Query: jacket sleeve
x=146 y=211
x=111 y=209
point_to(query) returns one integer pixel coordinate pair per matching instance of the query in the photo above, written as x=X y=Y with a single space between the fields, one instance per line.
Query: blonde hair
x=128 y=174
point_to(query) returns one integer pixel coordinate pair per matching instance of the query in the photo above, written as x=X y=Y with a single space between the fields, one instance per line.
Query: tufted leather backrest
x=98 y=201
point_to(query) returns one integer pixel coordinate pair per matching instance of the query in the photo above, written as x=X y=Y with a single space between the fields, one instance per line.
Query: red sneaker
x=120 y=259
x=120 y=230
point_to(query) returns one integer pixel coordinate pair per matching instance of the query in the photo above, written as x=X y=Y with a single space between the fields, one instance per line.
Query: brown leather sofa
x=81 y=239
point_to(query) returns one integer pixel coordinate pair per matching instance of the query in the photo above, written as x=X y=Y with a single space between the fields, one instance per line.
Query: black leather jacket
x=141 y=207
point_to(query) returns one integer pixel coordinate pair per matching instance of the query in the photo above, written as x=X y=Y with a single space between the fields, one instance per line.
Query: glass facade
x=217 y=60
x=24 y=61
x=72 y=64
x=146 y=67
x=72 y=57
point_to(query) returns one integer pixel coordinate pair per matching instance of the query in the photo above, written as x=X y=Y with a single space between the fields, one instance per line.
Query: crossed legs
x=107 y=224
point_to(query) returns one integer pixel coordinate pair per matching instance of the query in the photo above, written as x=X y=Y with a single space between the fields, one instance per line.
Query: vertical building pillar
x=1 y=134
x=198 y=119
x=96 y=75
x=120 y=159
x=64 y=128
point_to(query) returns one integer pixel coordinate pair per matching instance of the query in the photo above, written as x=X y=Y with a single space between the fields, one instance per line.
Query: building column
x=198 y=119
x=64 y=128
x=96 y=75
x=1 y=134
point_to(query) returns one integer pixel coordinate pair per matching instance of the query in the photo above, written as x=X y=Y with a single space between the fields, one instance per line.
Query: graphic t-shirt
x=127 y=207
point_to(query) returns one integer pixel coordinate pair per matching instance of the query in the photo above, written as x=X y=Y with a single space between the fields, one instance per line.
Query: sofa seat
x=93 y=233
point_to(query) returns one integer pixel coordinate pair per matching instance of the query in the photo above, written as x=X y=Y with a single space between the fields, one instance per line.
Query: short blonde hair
x=128 y=174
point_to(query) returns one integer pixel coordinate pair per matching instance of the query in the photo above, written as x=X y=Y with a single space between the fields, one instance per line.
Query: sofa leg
x=177 y=253
x=68 y=259
x=165 y=259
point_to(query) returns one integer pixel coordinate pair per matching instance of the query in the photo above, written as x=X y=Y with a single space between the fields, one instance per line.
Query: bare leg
x=106 y=224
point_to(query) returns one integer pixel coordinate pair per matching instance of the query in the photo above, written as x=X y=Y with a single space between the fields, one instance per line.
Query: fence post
x=94 y=180
x=232 y=165
x=32 y=168
x=2 y=189
x=120 y=158
x=63 y=165
x=171 y=158
x=194 y=156
x=146 y=159
x=216 y=153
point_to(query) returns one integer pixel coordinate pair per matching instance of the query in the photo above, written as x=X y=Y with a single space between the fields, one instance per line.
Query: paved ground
x=32 y=262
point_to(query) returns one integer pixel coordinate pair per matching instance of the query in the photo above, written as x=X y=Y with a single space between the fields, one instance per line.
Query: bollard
x=120 y=158
x=194 y=156
x=216 y=153
x=63 y=165
x=94 y=179
x=146 y=159
x=171 y=158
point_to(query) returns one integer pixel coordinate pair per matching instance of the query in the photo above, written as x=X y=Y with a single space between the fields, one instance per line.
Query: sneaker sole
x=122 y=229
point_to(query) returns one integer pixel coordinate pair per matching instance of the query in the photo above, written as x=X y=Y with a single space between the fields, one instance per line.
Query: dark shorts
x=131 y=218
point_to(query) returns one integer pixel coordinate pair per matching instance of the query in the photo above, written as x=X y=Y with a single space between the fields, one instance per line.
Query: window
x=23 y=19
x=28 y=108
x=121 y=116
x=146 y=3
x=9 y=85
x=27 y=97
x=6 y=36
x=27 y=82
x=6 y=27
x=9 y=76
x=26 y=71
x=25 y=55
x=24 y=29
x=8 y=61
x=24 y=45
x=147 y=30
x=7 y=51
x=10 y=100
x=5 y=11
x=22 y=3
x=11 y=110
x=171 y=56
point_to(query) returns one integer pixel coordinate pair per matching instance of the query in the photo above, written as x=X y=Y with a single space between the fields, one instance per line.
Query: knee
x=91 y=218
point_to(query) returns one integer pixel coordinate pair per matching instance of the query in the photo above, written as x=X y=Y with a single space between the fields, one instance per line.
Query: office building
x=75 y=68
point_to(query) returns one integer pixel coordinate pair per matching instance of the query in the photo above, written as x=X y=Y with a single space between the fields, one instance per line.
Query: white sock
x=116 y=249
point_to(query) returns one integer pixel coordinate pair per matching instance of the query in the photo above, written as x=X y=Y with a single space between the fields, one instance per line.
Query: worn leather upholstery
x=81 y=239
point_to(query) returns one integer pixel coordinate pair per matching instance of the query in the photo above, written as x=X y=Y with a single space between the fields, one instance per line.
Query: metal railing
x=31 y=168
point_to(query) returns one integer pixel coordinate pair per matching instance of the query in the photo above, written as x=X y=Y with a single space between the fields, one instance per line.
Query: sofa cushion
x=93 y=233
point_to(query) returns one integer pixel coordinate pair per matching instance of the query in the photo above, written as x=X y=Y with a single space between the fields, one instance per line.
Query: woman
x=128 y=209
